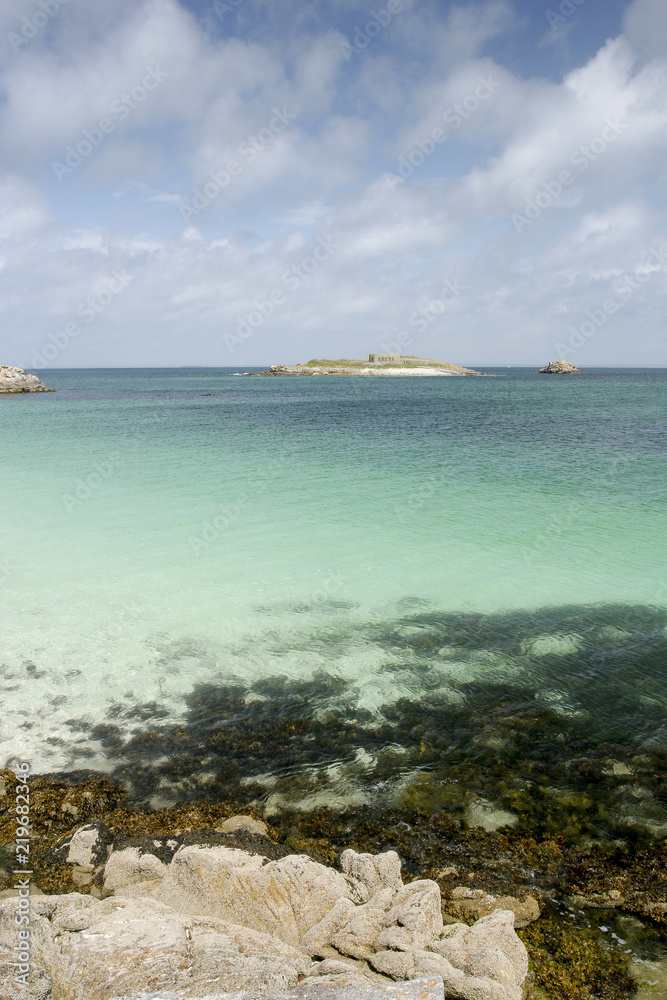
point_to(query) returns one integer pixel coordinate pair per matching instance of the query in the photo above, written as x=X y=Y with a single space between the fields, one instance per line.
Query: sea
x=449 y=591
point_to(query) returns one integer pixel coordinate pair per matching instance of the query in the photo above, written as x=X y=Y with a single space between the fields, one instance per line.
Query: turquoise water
x=430 y=543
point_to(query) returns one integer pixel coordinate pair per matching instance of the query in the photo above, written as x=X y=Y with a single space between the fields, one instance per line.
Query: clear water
x=168 y=532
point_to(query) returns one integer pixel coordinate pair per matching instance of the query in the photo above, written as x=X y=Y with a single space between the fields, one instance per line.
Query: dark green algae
x=558 y=716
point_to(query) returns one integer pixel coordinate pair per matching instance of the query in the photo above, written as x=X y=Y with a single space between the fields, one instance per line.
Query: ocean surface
x=450 y=591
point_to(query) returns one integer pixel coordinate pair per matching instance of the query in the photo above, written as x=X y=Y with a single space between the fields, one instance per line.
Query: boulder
x=430 y=988
x=357 y=938
x=98 y=950
x=417 y=909
x=559 y=368
x=460 y=985
x=221 y=918
x=285 y=897
x=236 y=823
x=317 y=940
x=490 y=949
x=368 y=873
x=131 y=867
x=88 y=847
x=469 y=903
x=16 y=380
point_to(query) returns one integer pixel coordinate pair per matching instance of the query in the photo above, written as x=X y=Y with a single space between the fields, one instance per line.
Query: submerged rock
x=559 y=368
x=16 y=380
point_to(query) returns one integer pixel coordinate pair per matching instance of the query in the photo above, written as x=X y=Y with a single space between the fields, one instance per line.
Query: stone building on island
x=384 y=359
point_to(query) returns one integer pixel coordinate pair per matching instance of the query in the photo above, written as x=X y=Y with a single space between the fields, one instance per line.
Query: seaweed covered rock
x=87 y=847
x=467 y=903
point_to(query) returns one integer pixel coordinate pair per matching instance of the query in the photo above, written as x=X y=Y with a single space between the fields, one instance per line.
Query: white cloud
x=22 y=210
x=322 y=177
x=645 y=27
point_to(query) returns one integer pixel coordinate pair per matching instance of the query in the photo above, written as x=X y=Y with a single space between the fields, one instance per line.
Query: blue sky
x=244 y=182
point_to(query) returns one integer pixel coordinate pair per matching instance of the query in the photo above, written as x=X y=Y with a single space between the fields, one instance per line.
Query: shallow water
x=468 y=575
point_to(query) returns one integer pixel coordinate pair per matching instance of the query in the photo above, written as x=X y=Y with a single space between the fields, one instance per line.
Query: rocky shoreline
x=13 y=380
x=571 y=907
x=222 y=912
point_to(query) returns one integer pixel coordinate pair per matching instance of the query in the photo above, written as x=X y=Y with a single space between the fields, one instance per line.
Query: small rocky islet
x=15 y=380
x=377 y=365
x=559 y=368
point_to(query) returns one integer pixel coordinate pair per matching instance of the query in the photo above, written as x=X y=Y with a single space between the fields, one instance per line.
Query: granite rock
x=131 y=867
x=235 y=823
x=357 y=938
x=89 y=949
x=467 y=903
x=430 y=988
x=368 y=873
x=88 y=847
x=223 y=918
x=16 y=380
x=285 y=897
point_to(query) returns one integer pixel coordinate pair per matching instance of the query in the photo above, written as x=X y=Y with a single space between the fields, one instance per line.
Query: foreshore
x=560 y=894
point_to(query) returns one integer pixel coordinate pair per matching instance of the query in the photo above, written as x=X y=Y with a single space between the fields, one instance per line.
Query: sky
x=245 y=182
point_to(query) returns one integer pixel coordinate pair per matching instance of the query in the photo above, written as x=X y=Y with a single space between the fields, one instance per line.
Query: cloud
x=645 y=27
x=315 y=137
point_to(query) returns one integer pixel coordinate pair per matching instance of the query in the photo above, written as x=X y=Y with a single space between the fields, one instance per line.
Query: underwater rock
x=16 y=380
x=559 y=368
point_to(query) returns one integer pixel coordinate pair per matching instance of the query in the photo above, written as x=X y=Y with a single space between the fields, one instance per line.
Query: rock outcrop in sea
x=205 y=919
x=559 y=368
x=16 y=380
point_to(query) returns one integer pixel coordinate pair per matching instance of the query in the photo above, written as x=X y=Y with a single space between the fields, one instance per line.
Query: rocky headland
x=403 y=365
x=16 y=380
x=559 y=368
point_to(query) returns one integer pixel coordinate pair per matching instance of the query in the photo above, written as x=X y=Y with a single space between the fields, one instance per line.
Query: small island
x=14 y=380
x=559 y=368
x=377 y=364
